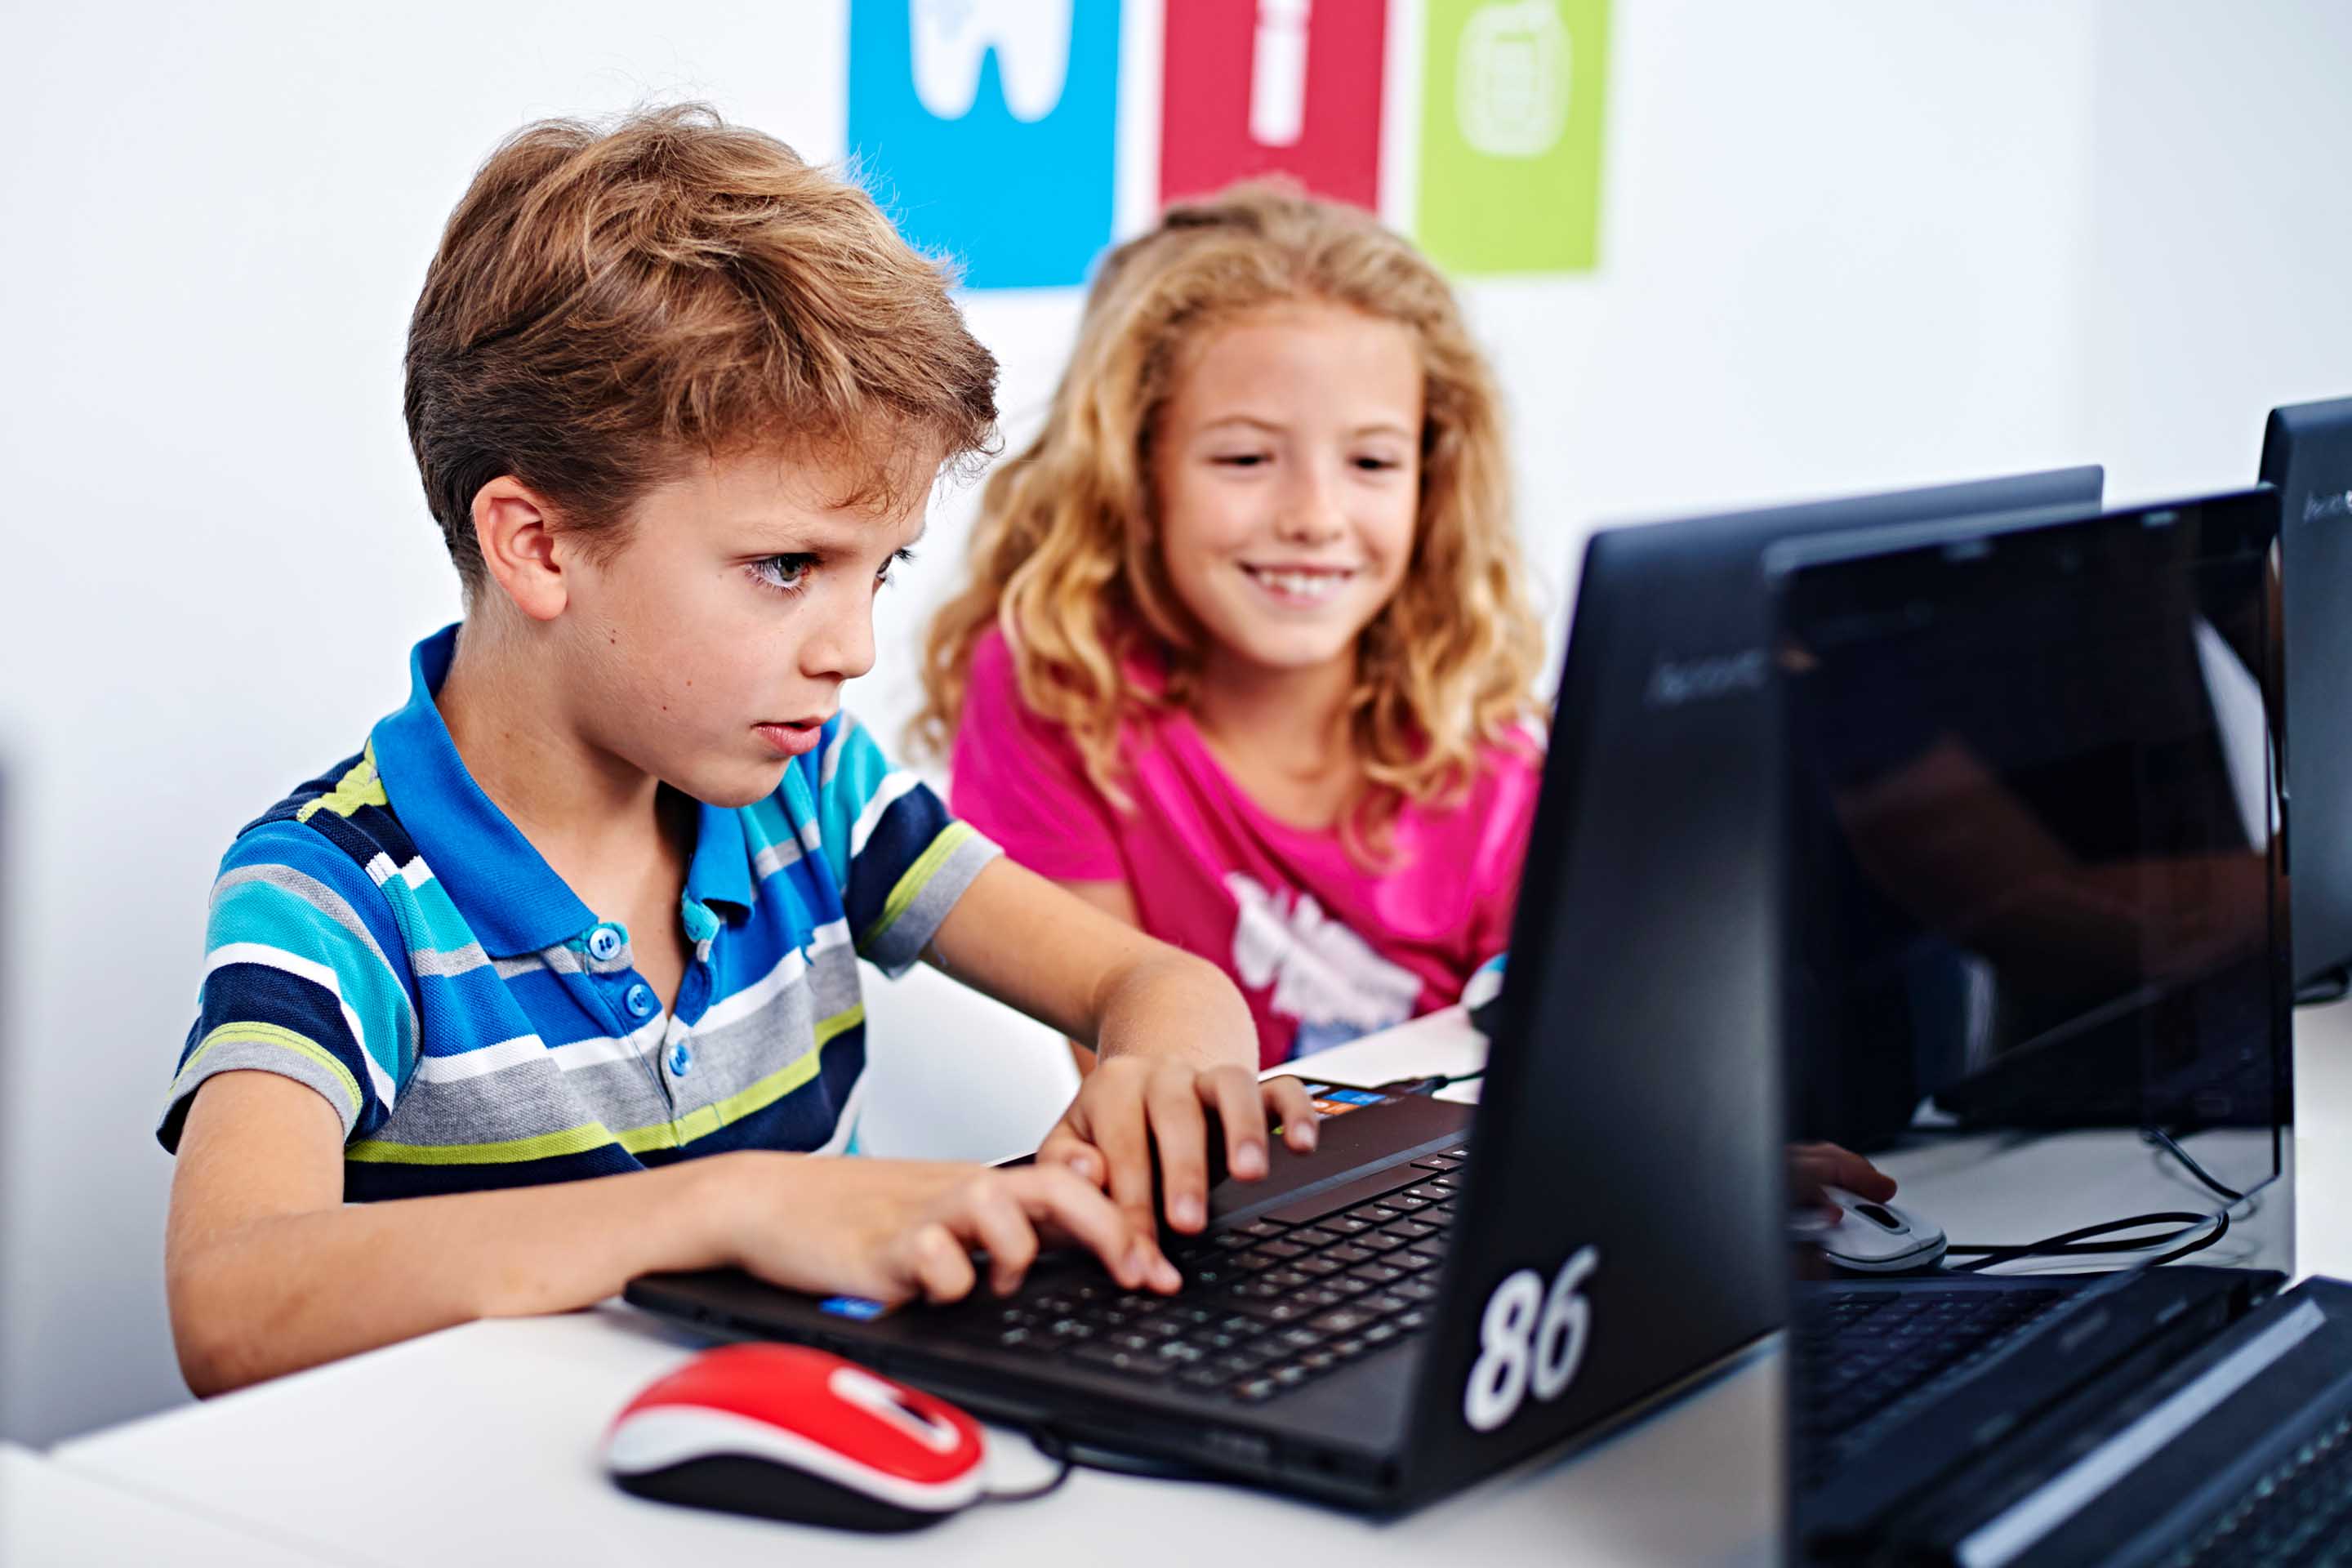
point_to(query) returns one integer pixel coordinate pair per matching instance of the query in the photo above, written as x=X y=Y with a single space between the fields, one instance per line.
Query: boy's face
x=1288 y=482
x=711 y=647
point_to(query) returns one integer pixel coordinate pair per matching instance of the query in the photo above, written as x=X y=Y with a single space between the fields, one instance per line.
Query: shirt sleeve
x=300 y=979
x=900 y=860
x=1018 y=778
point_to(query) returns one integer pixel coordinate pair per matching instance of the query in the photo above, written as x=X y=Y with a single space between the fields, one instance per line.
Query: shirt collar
x=721 y=872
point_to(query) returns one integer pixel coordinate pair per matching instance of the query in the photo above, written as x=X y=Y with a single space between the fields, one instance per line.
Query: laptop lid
x=2037 y=958
x=1632 y=1242
x=2307 y=455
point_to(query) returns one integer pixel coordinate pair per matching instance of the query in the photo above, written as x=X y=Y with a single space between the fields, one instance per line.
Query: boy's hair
x=1064 y=559
x=610 y=304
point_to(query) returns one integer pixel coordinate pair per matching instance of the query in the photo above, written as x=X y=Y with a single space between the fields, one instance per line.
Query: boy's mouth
x=1296 y=586
x=792 y=737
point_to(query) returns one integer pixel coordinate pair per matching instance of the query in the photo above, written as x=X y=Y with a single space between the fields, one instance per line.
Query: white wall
x=1843 y=244
x=2220 y=282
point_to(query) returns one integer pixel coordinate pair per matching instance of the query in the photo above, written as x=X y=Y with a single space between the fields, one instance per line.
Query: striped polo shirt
x=386 y=935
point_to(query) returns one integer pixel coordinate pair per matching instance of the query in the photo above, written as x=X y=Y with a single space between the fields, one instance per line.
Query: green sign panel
x=1510 y=135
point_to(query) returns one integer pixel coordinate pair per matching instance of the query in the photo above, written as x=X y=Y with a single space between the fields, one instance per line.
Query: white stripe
x=2063 y=1498
x=845 y=1124
x=830 y=762
x=605 y=1048
x=892 y=786
x=734 y=1009
x=474 y=1064
x=317 y=973
x=381 y=870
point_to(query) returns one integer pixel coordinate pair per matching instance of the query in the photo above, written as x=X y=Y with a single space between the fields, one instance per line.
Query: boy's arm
x=268 y=1270
x=1116 y=899
x=1175 y=1037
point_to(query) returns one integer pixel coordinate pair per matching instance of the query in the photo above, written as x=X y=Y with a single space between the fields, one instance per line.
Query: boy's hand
x=894 y=1229
x=1132 y=1102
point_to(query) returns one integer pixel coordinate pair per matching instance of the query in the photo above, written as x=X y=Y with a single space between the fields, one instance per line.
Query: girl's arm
x=269 y=1271
x=1174 y=1036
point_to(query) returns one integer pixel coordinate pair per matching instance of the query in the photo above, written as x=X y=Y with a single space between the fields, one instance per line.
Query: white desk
x=478 y=1444
x=59 y=1517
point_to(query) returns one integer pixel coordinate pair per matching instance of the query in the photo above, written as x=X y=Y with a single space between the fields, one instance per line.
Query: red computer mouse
x=789 y=1433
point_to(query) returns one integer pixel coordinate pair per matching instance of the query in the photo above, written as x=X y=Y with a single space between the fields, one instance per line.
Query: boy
x=590 y=906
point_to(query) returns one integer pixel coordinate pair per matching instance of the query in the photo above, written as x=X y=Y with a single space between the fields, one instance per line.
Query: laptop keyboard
x=1863 y=1352
x=1267 y=1307
x=2301 y=1511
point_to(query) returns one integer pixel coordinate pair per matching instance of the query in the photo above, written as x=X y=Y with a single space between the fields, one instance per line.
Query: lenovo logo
x=2336 y=503
x=1672 y=684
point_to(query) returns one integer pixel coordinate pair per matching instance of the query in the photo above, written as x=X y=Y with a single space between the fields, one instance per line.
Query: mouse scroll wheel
x=1879 y=1214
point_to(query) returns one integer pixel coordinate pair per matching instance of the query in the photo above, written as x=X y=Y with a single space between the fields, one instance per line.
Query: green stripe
x=358 y=787
x=258 y=1034
x=591 y=1135
x=910 y=886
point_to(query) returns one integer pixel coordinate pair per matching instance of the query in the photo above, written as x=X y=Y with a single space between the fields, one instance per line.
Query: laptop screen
x=2035 y=968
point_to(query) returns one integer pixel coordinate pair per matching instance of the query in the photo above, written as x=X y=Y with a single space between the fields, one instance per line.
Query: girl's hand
x=895 y=1229
x=1134 y=1102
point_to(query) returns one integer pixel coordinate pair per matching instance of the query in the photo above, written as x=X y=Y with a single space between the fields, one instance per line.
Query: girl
x=1246 y=658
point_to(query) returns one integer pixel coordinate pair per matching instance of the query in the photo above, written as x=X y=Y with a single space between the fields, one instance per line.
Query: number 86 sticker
x=1530 y=1341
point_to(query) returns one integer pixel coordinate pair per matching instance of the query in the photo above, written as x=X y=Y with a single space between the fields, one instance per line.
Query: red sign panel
x=1256 y=87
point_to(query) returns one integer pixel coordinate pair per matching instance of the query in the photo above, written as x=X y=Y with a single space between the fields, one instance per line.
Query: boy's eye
x=1240 y=460
x=788 y=573
x=1372 y=465
x=900 y=558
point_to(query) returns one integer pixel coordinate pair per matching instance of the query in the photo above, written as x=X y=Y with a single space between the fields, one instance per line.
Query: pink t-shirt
x=1324 y=949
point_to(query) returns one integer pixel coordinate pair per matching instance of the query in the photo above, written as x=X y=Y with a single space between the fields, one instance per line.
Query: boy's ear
x=517 y=535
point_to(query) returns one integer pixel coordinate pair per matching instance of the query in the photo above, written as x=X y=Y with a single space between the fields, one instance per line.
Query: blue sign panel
x=989 y=130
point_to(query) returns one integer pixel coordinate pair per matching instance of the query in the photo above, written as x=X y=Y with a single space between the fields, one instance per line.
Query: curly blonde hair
x=1064 y=561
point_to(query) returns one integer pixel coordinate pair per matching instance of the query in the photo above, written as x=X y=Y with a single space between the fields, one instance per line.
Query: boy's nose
x=840 y=646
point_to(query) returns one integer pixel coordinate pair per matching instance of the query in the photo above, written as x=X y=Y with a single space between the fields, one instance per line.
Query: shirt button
x=639 y=1000
x=604 y=943
x=681 y=1059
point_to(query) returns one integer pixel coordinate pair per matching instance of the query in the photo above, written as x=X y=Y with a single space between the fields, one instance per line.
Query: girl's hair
x=1064 y=561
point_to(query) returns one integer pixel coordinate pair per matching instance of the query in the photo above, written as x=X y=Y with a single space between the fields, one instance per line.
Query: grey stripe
x=447 y=963
x=562 y=960
x=329 y=903
x=535 y=1097
x=896 y=950
x=234 y=1055
x=526 y=964
x=774 y=858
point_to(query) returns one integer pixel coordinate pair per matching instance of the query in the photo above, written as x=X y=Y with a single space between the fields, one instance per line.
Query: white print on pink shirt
x=1322 y=973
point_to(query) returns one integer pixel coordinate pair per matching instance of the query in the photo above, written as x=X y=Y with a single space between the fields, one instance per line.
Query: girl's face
x=1288 y=468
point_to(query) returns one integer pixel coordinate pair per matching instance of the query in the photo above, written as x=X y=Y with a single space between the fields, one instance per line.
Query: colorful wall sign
x=1510 y=135
x=990 y=129
x=1253 y=87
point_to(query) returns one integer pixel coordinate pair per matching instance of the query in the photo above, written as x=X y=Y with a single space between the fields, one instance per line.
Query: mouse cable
x=1053 y=1449
x=2076 y=1243
x=1055 y=1446
x=1430 y=1084
x=2158 y=1138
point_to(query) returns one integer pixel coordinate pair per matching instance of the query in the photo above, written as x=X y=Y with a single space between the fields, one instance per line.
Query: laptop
x=2037 y=971
x=1406 y=1310
x=2307 y=455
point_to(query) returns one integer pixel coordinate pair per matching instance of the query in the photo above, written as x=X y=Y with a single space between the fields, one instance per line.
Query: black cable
x=1053 y=1449
x=2157 y=1137
x=2076 y=1243
x=1429 y=1084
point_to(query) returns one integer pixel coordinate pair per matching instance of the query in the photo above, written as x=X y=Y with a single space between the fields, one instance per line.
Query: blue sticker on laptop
x=856 y=1307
